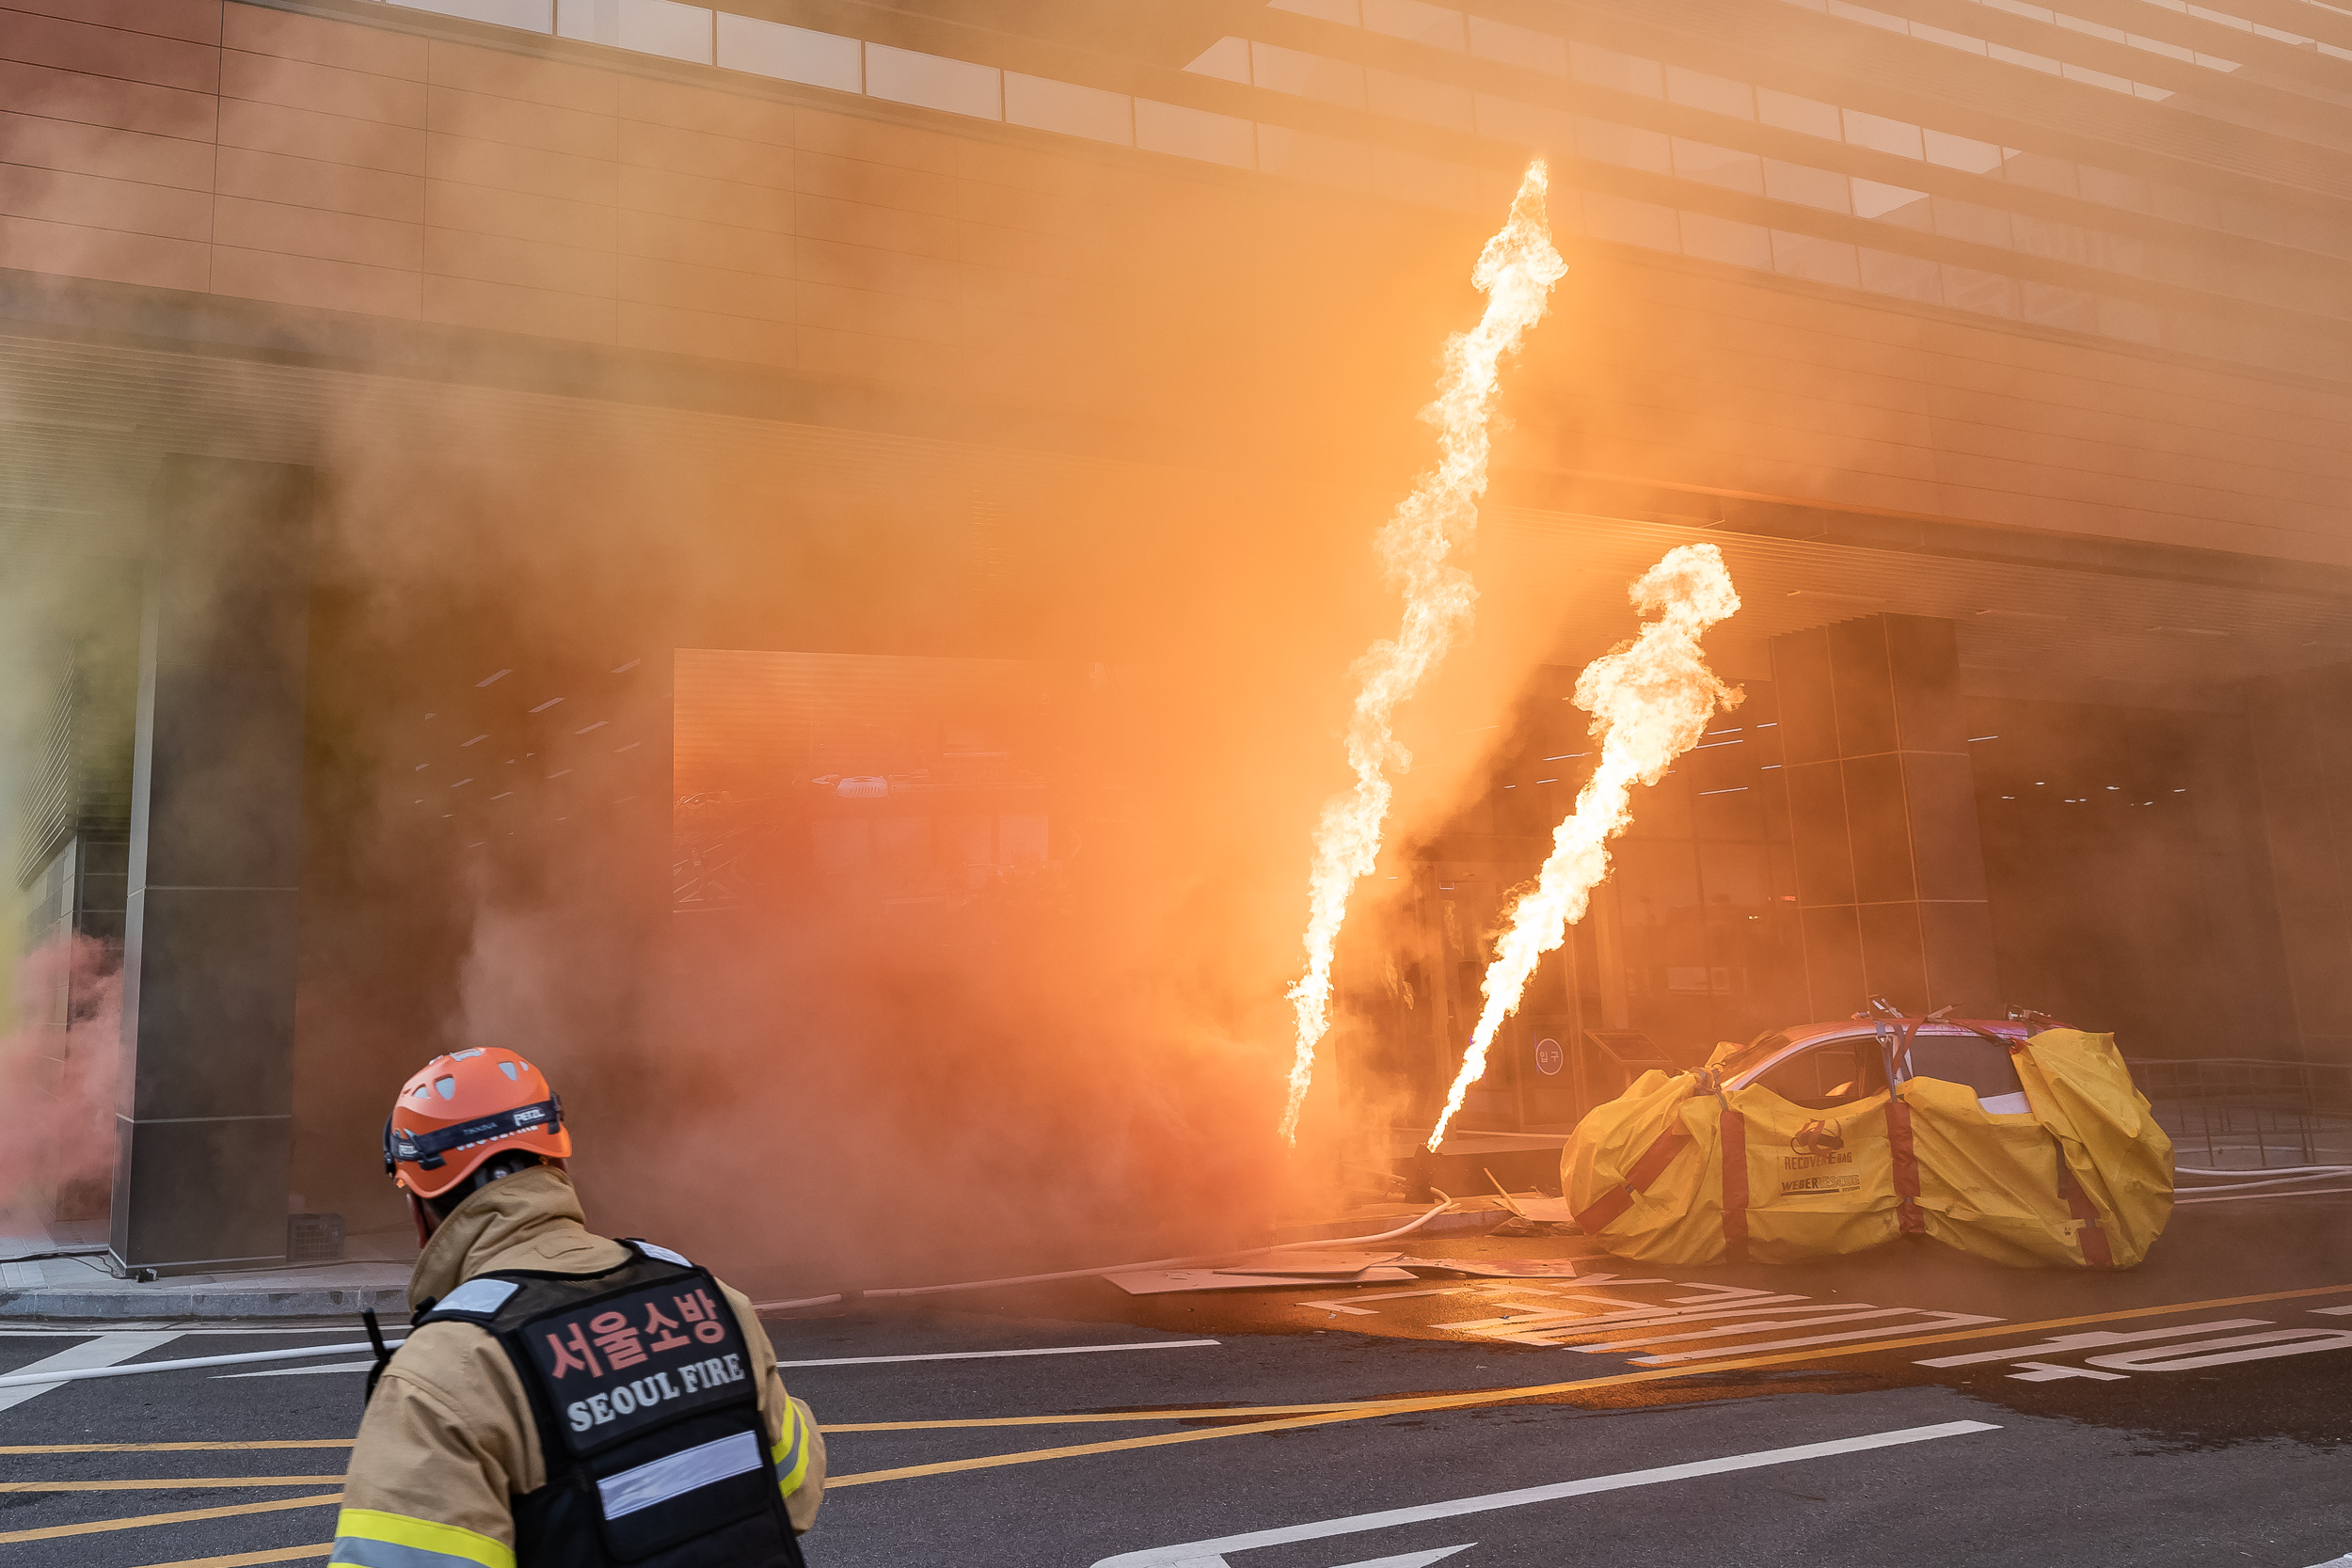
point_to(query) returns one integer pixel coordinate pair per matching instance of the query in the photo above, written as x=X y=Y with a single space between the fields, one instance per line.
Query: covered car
x=2026 y=1144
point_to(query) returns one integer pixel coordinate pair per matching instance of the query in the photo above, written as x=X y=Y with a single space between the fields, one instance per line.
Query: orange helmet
x=461 y=1109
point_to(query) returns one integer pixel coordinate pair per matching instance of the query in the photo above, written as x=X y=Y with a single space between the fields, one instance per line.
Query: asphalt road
x=2194 y=1412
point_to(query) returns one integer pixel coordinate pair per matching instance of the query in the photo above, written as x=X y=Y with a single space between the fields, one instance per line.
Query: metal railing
x=2236 y=1112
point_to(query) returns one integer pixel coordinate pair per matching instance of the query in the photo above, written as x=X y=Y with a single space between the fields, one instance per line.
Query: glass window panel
x=2052 y=305
x=1521 y=46
x=2019 y=56
x=1865 y=15
x=2042 y=173
x=1325 y=160
x=1718 y=166
x=1606 y=68
x=1966 y=220
x=1626 y=146
x=1411 y=19
x=1881 y=135
x=2096 y=29
x=1641 y=223
x=2083 y=73
x=2105 y=186
x=1791 y=112
x=1874 y=200
x=1389 y=92
x=1815 y=187
x=1714 y=239
x=1950 y=40
x=1904 y=277
x=1529 y=124
x=1342 y=11
x=1963 y=152
x=1822 y=261
x=1990 y=292
x=1714 y=93
x=1308 y=75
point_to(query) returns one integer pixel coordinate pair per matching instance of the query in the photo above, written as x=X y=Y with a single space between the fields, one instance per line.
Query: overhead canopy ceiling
x=83 y=424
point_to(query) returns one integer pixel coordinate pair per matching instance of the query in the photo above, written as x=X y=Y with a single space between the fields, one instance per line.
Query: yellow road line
x=167 y=1483
x=1323 y=1414
x=325 y=1500
x=171 y=1448
x=244 y=1559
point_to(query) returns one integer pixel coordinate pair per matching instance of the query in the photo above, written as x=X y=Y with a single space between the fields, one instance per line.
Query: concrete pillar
x=211 y=928
x=1882 y=817
x=2301 y=728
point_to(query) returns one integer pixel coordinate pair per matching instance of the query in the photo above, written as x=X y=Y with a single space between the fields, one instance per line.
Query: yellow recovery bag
x=1676 y=1171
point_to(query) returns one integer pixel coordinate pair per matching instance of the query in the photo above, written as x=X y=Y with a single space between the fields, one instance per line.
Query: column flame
x=1515 y=271
x=1650 y=699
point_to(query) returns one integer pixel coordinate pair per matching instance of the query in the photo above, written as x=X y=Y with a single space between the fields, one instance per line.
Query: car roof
x=1806 y=1033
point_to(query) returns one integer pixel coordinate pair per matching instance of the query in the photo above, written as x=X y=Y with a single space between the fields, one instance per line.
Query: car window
x=1969 y=1059
x=1833 y=1072
x=1755 y=1050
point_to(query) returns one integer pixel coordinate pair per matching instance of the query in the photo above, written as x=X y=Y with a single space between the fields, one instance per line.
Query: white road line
x=2094 y=1340
x=103 y=1350
x=1209 y=1554
x=985 y=1354
x=106 y=1369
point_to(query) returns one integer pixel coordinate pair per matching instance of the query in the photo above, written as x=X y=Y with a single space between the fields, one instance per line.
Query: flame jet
x=1650 y=699
x=1516 y=272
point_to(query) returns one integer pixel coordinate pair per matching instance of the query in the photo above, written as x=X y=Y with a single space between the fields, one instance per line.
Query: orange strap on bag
x=1649 y=1168
x=2092 y=1236
x=1904 y=1156
x=1735 y=1162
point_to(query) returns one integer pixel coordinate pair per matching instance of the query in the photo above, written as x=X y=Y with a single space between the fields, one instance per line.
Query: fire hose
x=80 y=1374
x=1192 y=1261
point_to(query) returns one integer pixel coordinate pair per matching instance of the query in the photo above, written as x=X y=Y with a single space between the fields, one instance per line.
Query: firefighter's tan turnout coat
x=448 y=1439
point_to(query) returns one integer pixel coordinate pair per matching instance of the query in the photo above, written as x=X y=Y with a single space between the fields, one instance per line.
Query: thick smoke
x=59 y=1066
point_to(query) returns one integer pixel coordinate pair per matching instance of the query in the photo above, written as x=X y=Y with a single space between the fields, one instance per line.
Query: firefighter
x=562 y=1401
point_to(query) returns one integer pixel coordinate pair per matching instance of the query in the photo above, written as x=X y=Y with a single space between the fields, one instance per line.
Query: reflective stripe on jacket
x=448 y=1437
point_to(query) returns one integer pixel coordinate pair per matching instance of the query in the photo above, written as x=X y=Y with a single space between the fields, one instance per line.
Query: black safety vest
x=648 y=1417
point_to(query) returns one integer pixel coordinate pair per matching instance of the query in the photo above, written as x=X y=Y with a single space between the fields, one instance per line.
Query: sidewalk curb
x=218 y=1300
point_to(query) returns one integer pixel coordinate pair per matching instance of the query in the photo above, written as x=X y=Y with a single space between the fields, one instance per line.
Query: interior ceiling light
x=548 y=704
x=625 y=669
x=497 y=675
